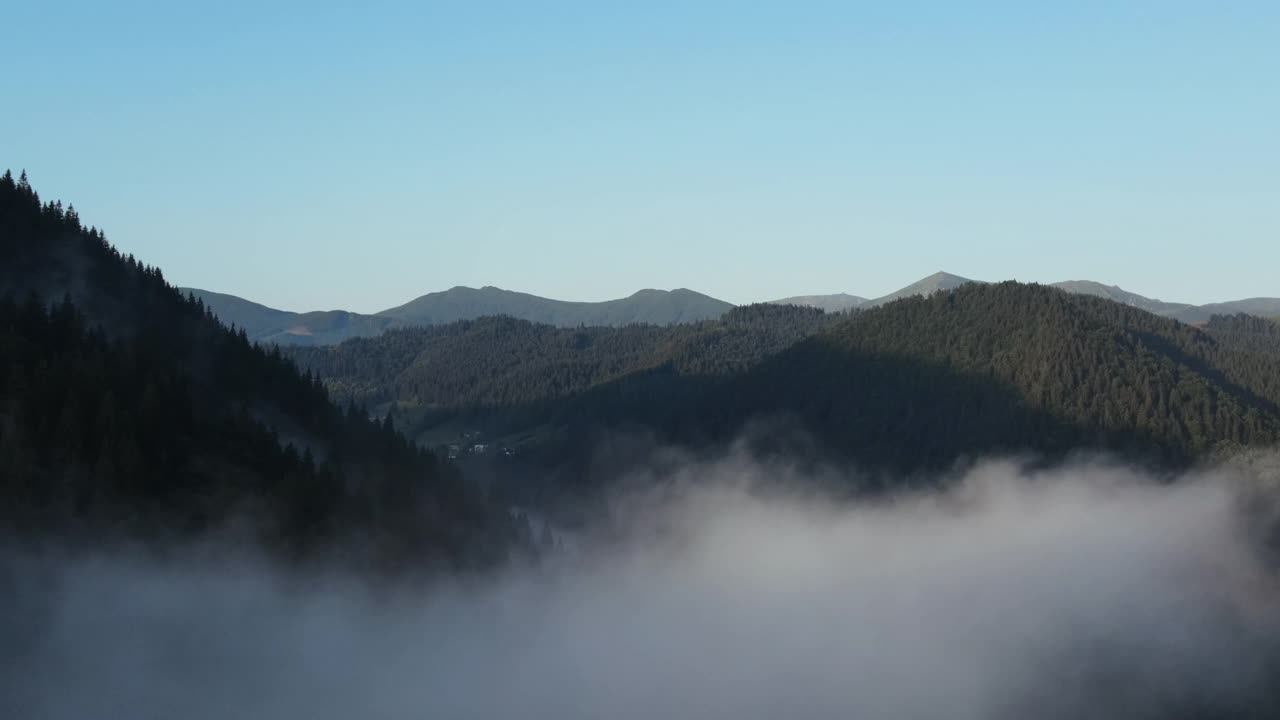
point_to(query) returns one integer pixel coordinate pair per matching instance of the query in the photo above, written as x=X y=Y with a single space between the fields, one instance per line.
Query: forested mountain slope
x=914 y=384
x=1096 y=373
x=125 y=407
x=501 y=362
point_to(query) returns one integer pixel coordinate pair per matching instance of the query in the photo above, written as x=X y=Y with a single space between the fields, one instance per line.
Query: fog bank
x=1082 y=591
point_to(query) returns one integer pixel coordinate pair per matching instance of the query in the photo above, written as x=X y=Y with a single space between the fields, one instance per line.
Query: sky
x=357 y=155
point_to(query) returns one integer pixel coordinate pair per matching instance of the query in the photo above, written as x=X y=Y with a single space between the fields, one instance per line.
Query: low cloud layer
x=1086 y=591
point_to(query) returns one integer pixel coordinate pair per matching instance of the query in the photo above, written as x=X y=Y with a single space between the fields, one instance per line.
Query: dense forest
x=1011 y=366
x=501 y=362
x=126 y=407
x=914 y=385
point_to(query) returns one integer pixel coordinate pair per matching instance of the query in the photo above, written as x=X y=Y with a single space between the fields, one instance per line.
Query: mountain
x=1079 y=371
x=499 y=361
x=1184 y=312
x=1124 y=297
x=256 y=320
x=1261 y=307
x=927 y=286
x=839 y=302
x=657 y=307
x=128 y=409
x=908 y=386
x=268 y=325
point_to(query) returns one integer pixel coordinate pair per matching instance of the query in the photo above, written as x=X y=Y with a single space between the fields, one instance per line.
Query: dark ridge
x=127 y=409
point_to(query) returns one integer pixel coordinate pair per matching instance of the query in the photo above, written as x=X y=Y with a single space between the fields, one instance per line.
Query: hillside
x=1004 y=368
x=126 y=408
x=657 y=307
x=914 y=384
x=501 y=362
x=1082 y=371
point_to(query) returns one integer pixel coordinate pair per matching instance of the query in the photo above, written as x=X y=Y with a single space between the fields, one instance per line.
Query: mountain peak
x=936 y=282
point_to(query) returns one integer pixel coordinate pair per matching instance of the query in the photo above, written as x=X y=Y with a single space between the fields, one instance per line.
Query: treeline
x=126 y=406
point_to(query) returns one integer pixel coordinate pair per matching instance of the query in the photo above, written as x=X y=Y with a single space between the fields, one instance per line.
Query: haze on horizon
x=320 y=157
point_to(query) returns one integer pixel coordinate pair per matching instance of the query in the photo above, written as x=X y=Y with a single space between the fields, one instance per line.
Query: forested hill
x=502 y=363
x=914 y=384
x=125 y=407
x=1009 y=366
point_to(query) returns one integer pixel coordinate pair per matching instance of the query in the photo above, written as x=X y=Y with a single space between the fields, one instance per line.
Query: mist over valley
x=700 y=361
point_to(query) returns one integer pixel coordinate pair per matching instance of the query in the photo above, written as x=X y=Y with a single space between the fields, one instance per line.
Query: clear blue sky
x=312 y=156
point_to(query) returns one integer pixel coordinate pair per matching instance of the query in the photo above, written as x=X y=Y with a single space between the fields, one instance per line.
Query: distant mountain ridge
x=1122 y=296
x=1184 y=312
x=653 y=307
x=269 y=325
x=841 y=302
x=1261 y=306
x=837 y=302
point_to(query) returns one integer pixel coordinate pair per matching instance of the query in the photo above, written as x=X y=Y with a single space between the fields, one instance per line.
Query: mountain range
x=269 y=325
x=1183 y=312
x=126 y=406
x=657 y=307
x=913 y=385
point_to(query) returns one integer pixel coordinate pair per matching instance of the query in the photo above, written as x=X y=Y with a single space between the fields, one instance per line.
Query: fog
x=1086 y=590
